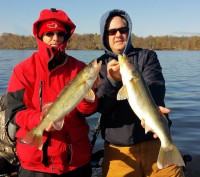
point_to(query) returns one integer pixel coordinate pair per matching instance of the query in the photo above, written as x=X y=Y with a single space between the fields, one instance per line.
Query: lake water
x=181 y=72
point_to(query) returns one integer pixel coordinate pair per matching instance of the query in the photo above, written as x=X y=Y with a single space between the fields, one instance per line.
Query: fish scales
x=71 y=95
x=136 y=91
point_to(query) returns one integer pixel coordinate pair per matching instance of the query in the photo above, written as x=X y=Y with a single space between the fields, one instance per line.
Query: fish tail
x=169 y=156
x=33 y=137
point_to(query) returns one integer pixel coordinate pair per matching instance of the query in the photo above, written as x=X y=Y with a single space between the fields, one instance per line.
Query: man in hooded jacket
x=36 y=82
x=128 y=150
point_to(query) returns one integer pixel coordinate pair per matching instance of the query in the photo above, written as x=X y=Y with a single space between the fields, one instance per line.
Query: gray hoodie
x=103 y=22
x=119 y=125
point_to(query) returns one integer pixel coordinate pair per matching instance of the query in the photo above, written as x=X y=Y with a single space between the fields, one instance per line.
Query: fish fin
x=45 y=109
x=147 y=129
x=122 y=94
x=33 y=137
x=90 y=96
x=58 y=125
x=169 y=156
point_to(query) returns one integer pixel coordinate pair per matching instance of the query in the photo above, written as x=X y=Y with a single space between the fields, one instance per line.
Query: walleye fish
x=68 y=99
x=135 y=90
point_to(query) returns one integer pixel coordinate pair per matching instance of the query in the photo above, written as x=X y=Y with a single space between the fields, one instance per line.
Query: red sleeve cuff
x=87 y=107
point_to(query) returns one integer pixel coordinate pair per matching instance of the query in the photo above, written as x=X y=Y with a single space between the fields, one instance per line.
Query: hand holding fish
x=97 y=83
x=136 y=91
x=113 y=70
x=71 y=95
x=50 y=128
x=164 y=111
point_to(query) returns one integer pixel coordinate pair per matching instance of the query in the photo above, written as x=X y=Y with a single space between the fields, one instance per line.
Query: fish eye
x=90 y=64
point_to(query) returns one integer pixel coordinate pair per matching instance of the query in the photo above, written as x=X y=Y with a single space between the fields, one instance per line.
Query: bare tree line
x=93 y=42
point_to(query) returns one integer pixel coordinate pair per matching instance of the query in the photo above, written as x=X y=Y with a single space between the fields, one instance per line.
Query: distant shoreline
x=93 y=42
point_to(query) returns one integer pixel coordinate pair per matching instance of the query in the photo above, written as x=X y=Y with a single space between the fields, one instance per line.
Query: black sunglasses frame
x=122 y=30
x=51 y=34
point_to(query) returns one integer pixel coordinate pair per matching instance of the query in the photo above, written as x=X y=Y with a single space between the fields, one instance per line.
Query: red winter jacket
x=32 y=85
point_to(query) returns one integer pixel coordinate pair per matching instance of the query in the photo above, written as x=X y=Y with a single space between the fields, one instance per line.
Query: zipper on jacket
x=69 y=155
x=40 y=96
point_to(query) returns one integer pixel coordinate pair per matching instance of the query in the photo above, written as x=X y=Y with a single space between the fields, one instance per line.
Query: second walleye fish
x=136 y=91
x=68 y=99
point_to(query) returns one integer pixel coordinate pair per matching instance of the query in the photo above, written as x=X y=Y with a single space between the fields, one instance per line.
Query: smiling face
x=116 y=35
x=53 y=38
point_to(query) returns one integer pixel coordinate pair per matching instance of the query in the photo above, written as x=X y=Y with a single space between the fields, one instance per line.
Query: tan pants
x=136 y=161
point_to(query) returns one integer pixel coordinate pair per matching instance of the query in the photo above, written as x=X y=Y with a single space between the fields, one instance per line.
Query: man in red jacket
x=36 y=82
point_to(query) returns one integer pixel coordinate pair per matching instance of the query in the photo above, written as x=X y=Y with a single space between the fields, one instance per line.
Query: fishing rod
x=97 y=157
x=95 y=131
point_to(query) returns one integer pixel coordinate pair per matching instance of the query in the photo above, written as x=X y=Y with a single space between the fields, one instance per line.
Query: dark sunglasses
x=51 y=34
x=122 y=30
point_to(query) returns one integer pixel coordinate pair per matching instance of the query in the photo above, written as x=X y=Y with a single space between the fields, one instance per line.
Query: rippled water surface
x=181 y=72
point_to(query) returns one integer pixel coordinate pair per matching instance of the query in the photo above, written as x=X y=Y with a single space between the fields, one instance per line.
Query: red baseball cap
x=51 y=25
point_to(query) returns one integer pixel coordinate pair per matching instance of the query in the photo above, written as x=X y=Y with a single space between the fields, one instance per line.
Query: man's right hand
x=113 y=70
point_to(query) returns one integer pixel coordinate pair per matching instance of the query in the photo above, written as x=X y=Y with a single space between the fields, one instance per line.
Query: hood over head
x=59 y=19
x=103 y=24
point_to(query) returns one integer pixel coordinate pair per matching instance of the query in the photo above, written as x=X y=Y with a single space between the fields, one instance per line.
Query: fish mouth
x=98 y=66
x=121 y=59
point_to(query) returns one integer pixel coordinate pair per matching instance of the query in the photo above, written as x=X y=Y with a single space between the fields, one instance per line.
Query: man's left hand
x=164 y=111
